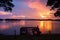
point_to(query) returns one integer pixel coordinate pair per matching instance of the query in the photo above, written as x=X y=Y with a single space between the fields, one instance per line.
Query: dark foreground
x=28 y=37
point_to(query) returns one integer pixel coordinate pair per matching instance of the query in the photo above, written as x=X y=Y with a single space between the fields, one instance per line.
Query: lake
x=9 y=27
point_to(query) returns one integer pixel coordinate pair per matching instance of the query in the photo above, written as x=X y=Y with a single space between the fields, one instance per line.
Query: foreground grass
x=28 y=37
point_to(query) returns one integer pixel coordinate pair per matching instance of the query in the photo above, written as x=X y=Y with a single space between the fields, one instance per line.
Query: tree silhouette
x=7 y=5
x=54 y=4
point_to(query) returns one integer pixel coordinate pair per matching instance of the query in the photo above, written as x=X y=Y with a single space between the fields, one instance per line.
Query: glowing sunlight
x=45 y=26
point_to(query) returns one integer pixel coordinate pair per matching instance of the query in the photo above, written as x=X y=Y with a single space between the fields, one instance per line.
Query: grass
x=29 y=37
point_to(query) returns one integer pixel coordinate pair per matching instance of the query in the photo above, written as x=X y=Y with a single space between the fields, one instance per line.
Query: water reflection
x=45 y=26
x=4 y=26
x=22 y=23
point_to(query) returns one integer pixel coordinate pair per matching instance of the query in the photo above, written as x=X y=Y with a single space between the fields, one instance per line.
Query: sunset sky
x=28 y=9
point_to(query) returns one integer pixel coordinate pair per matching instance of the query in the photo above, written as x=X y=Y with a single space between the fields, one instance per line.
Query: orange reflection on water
x=48 y=26
x=3 y=27
x=45 y=26
x=22 y=23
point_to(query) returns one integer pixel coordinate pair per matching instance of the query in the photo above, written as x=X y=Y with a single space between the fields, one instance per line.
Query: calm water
x=9 y=27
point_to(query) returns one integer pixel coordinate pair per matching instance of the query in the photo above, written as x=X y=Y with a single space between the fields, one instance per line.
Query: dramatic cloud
x=40 y=9
x=29 y=9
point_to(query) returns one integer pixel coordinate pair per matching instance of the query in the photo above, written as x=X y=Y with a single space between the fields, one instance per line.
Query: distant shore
x=30 y=19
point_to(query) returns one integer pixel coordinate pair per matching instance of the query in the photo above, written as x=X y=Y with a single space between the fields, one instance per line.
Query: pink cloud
x=17 y=16
x=40 y=9
x=5 y=13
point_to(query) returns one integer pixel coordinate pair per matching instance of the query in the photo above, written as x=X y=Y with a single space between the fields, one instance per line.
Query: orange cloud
x=41 y=10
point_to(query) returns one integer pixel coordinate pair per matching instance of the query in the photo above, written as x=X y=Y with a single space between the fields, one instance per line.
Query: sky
x=28 y=9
